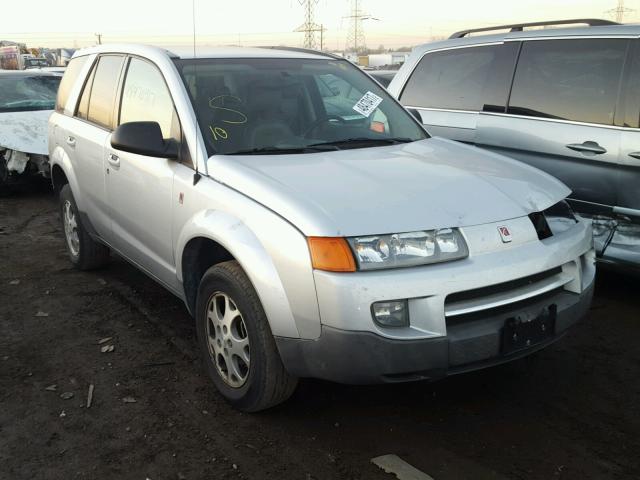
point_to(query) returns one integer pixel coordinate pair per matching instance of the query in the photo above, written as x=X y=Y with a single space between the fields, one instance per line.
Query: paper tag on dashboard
x=367 y=104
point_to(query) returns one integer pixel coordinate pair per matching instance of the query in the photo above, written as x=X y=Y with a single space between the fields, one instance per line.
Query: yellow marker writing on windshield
x=218 y=133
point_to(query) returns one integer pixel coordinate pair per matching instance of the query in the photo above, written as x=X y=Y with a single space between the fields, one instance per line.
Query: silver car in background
x=310 y=224
x=565 y=100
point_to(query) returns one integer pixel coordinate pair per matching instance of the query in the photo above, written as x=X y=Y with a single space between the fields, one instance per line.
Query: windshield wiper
x=364 y=141
x=320 y=147
x=284 y=150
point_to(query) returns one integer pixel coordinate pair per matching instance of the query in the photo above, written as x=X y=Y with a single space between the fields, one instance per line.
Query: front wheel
x=239 y=351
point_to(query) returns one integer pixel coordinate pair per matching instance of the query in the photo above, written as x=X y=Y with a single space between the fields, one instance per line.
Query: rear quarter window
x=71 y=74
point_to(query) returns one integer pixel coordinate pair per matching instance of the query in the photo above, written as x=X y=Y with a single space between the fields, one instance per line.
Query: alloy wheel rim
x=71 y=229
x=228 y=340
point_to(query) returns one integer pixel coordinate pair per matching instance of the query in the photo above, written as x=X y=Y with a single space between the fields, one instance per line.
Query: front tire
x=84 y=252
x=237 y=345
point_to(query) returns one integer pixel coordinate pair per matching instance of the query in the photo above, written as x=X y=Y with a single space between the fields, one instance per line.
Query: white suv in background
x=309 y=223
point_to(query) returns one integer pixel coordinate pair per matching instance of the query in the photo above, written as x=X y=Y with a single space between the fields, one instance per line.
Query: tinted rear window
x=569 y=79
x=452 y=79
x=71 y=74
x=103 y=90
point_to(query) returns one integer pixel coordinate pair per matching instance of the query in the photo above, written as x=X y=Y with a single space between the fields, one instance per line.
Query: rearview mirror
x=143 y=138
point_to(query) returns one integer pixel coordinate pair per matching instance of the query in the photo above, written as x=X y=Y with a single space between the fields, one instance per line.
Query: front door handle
x=587 y=147
x=71 y=141
x=635 y=155
x=114 y=160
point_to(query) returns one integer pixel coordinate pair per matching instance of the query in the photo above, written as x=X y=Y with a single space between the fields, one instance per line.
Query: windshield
x=23 y=93
x=277 y=105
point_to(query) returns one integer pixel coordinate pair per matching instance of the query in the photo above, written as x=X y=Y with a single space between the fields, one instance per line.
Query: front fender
x=277 y=265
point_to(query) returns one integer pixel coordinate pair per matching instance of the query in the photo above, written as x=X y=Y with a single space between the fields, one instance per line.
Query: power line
x=355 y=36
x=619 y=11
x=309 y=27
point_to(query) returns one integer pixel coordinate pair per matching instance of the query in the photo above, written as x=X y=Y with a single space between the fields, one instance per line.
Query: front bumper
x=368 y=358
x=457 y=309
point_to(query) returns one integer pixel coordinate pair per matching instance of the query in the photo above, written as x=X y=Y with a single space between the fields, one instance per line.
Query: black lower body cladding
x=367 y=358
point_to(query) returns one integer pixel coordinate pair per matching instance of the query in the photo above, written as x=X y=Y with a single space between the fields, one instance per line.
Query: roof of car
x=187 y=52
x=619 y=31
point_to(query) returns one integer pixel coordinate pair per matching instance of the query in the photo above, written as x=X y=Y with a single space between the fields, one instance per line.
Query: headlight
x=408 y=249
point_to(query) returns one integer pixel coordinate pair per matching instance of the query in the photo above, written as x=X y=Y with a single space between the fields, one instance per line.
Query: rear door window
x=462 y=79
x=576 y=79
x=103 y=90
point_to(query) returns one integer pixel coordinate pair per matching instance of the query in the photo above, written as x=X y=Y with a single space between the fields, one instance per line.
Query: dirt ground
x=571 y=413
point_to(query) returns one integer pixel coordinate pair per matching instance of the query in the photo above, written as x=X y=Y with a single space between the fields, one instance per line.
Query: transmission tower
x=309 y=27
x=355 y=37
x=619 y=11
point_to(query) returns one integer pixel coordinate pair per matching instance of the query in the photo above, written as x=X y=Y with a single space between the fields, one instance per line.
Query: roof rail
x=518 y=27
x=303 y=50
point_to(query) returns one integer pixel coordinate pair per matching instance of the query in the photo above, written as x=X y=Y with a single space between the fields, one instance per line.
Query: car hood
x=433 y=183
x=25 y=131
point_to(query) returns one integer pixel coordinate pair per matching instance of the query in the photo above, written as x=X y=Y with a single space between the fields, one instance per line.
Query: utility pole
x=355 y=37
x=99 y=37
x=309 y=27
x=619 y=11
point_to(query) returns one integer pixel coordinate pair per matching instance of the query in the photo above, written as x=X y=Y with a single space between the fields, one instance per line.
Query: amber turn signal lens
x=331 y=254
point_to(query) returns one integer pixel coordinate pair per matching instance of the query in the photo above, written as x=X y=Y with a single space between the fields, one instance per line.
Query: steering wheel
x=320 y=121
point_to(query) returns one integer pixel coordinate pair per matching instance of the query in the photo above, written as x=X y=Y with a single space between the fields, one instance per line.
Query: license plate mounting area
x=526 y=330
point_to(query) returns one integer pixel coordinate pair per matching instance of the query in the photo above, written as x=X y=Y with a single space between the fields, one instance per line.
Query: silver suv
x=309 y=223
x=565 y=100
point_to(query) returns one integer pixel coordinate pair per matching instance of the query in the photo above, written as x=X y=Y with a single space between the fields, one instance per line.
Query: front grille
x=500 y=287
x=470 y=304
x=503 y=310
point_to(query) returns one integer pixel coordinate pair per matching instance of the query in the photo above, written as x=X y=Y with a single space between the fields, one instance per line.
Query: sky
x=74 y=23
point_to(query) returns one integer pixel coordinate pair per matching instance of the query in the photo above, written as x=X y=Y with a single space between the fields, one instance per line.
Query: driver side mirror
x=143 y=138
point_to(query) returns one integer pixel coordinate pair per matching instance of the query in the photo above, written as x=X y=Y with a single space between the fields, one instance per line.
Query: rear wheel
x=239 y=351
x=84 y=252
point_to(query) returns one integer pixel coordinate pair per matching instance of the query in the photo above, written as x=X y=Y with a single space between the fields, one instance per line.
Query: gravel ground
x=572 y=412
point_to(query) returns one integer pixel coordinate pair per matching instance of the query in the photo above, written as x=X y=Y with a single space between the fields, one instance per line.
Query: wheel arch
x=213 y=236
x=62 y=173
x=198 y=255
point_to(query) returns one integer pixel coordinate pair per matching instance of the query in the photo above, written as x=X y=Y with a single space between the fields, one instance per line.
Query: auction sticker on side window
x=367 y=104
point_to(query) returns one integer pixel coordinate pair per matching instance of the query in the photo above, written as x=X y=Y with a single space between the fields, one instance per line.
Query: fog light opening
x=391 y=314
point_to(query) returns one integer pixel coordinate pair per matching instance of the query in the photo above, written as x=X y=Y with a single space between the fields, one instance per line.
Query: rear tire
x=84 y=252
x=237 y=345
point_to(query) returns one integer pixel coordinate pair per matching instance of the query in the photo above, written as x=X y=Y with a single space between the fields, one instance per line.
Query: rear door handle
x=114 y=160
x=587 y=147
x=71 y=141
x=635 y=155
